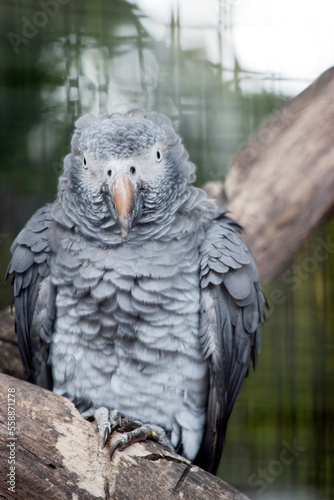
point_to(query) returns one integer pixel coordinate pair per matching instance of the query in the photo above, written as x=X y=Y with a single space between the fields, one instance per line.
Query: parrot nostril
x=132 y=170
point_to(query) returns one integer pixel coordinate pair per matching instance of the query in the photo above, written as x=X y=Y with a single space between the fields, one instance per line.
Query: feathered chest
x=148 y=290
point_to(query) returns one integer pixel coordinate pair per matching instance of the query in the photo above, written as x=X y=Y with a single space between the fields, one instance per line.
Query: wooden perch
x=58 y=455
x=281 y=184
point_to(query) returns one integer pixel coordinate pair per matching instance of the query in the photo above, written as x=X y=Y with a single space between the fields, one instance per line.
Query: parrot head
x=132 y=165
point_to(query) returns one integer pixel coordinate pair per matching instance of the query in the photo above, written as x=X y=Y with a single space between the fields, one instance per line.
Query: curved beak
x=123 y=194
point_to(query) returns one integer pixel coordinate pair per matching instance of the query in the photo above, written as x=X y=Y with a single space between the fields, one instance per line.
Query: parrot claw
x=106 y=423
x=105 y=437
x=141 y=433
x=134 y=431
x=116 y=446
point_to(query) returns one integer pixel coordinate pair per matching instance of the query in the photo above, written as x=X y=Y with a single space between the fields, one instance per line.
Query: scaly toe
x=141 y=433
x=102 y=419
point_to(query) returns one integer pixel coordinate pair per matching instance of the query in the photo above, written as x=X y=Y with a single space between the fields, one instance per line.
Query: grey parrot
x=135 y=296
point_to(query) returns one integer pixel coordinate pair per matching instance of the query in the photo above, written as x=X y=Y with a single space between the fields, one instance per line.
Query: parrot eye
x=159 y=156
x=84 y=162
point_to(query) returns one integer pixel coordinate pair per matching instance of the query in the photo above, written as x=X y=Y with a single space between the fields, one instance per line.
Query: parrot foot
x=141 y=433
x=134 y=431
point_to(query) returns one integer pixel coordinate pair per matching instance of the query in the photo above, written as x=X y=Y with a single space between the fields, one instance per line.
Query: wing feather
x=231 y=314
x=34 y=296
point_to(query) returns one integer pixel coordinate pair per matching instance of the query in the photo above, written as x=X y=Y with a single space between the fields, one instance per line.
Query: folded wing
x=34 y=296
x=231 y=314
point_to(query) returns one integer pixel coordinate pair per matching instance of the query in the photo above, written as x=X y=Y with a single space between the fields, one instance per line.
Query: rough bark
x=58 y=455
x=281 y=184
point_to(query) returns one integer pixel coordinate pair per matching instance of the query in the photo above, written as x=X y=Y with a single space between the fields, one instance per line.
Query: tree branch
x=281 y=183
x=57 y=454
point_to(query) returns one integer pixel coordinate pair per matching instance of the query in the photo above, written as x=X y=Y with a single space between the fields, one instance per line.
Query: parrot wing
x=34 y=296
x=231 y=314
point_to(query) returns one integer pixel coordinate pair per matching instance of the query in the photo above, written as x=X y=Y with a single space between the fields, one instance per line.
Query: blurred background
x=217 y=69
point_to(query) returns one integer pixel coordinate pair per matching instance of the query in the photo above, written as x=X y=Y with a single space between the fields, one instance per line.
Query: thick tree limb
x=58 y=455
x=281 y=184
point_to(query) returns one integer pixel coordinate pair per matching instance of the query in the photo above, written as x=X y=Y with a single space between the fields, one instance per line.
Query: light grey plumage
x=134 y=291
